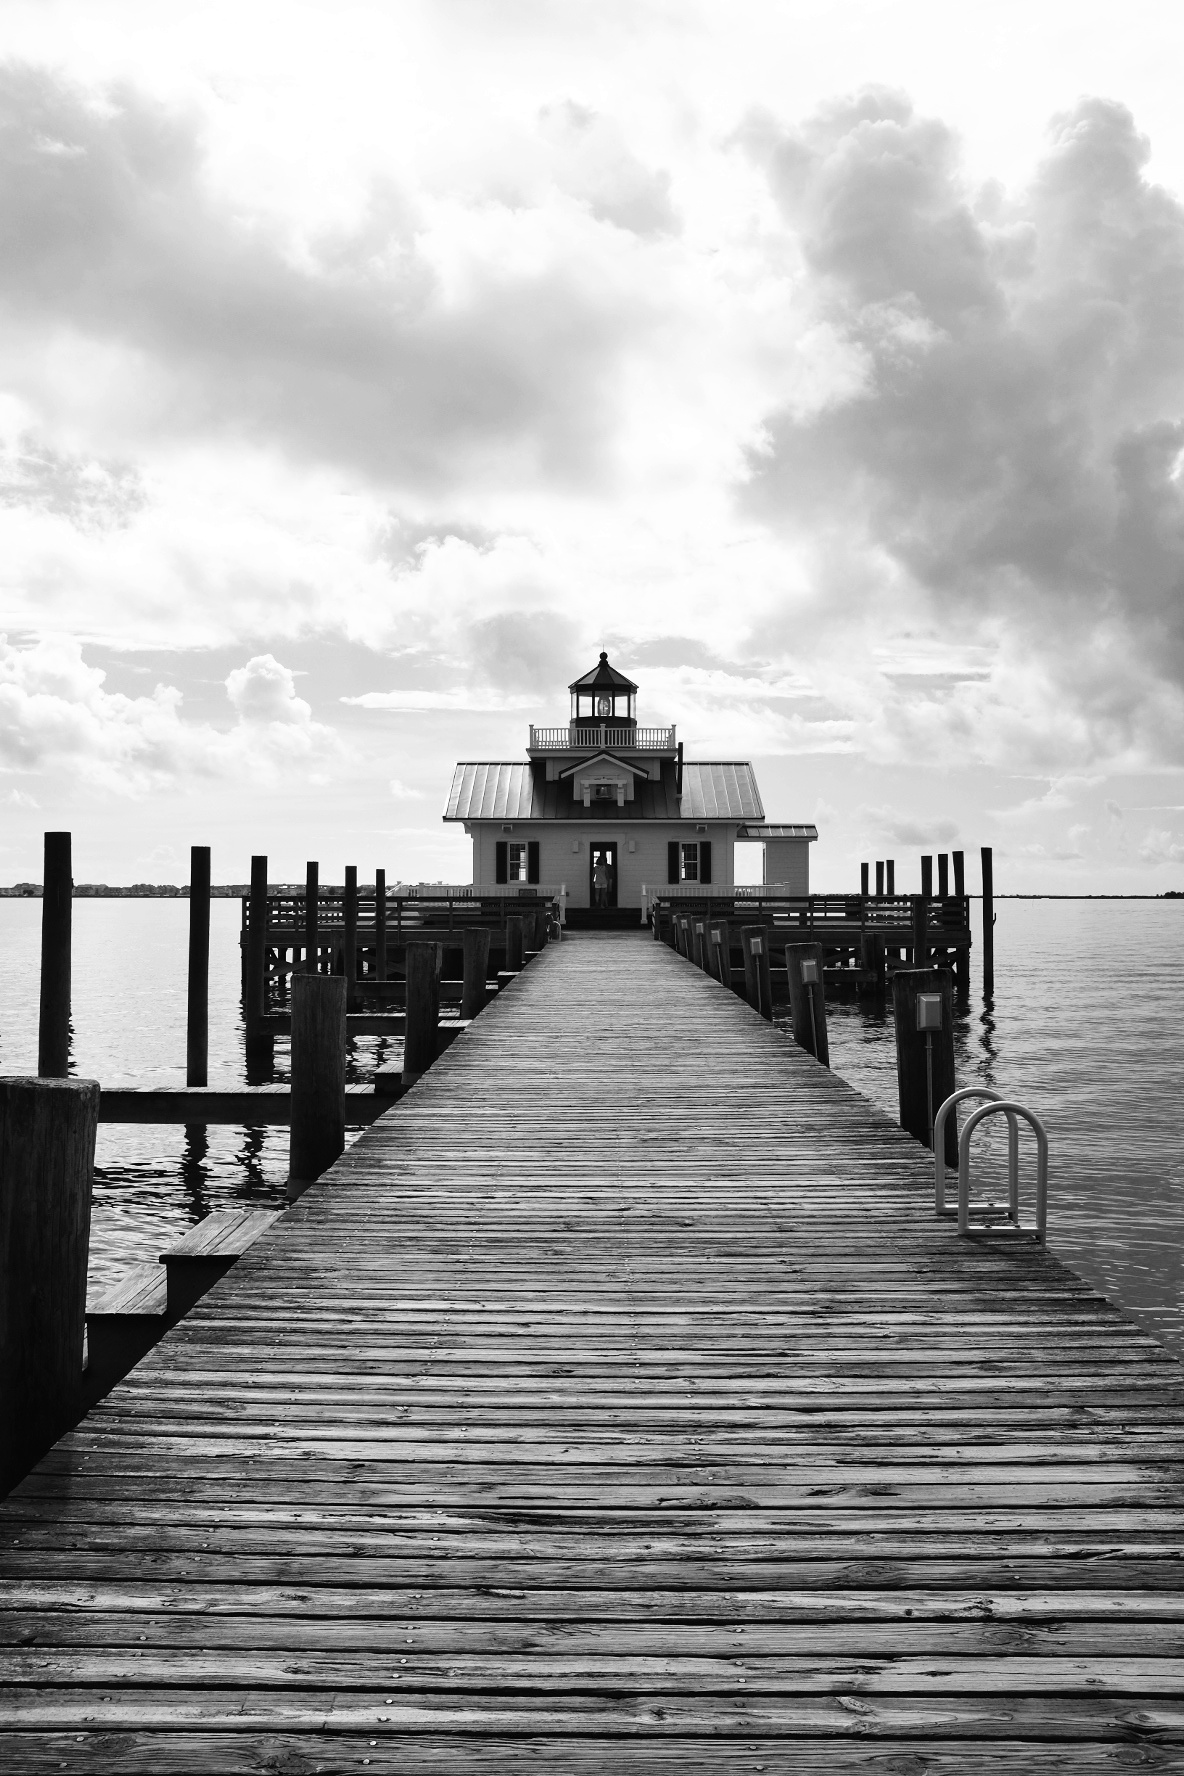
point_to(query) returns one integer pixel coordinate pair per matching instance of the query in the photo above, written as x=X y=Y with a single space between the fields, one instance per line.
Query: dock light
x=929 y=1011
x=758 y=945
x=810 y=971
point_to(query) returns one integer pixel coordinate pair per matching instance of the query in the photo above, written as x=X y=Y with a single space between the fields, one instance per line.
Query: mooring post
x=475 y=942
x=758 y=981
x=879 y=877
x=988 y=923
x=312 y=939
x=258 y=1042
x=890 y=875
x=514 y=943
x=380 y=924
x=920 y=907
x=923 y=1009
x=47 y=1153
x=927 y=877
x=720 y=946
x=197 y=1028
x=865 y=879
x=350 y=923
x=959 y=863
x=318 y=1078
x=807 y=999
x=57 y=892
x=943 y=875
x=421 y=1040
x=872 y=957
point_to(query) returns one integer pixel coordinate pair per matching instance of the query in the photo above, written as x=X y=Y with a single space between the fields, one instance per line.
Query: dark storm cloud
x=1014 y=438
x=345 y=351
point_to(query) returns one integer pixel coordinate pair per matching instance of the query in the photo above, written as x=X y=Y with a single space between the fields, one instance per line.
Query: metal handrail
x=1005 y=1107
x=939 y=1149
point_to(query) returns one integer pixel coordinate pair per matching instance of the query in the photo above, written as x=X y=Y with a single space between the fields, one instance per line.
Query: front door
x=602 y=877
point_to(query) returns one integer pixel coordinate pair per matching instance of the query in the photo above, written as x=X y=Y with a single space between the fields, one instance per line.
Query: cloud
x=1006 y=444
x=91 y=495
x=379 y=347
x=55 y=714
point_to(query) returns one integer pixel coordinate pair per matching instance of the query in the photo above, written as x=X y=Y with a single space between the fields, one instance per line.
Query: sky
x=365 y=369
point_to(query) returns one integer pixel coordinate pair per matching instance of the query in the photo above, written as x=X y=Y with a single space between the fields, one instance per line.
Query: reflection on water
x=1085 y=1027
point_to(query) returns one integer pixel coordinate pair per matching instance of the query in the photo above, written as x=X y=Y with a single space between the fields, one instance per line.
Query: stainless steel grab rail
x=939 y=1149
x=1005 y=1107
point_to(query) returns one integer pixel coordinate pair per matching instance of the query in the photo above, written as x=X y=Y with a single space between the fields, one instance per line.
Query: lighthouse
x=610 y=810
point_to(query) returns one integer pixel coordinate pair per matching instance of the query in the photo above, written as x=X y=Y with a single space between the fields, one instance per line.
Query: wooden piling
x=758 y=982
x=53 y=1037
x=515 y=945
x=475 y=943
x=699 y=942
x=197 y=1023
x=865 y=879
x=873 y=958
x=318 y=1078
x=924 y=1059
x=943 y=874
x=890 y=875
x=959 y=874
x=879 y=878
x=312 y=899
x=807 y=1000
x=421 y=1040
x=720 y=949
x=380 y=924
x=47 y=1150
x=350 y=922
x=255 y=991
x=988 y=922
x=920 y=911
x=927 y=877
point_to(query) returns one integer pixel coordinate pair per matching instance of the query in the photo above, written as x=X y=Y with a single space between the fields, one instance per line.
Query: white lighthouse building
x=612 y=811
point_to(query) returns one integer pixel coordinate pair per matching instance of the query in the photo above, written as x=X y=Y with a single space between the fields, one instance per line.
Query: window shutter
x=502 y=873
x=705 y=860
x=532 y=860
x=672 y=861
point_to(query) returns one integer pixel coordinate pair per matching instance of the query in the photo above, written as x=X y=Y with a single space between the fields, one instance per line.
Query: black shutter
x=502 y=870
x=672 y=861
x=532 y=860
x=705 y=860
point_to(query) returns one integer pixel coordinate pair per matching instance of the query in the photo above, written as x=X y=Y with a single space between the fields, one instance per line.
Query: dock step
x=123 y=1322
x=207 y=1252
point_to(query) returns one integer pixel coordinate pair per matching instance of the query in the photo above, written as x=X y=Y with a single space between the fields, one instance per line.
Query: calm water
x=1086 y=1028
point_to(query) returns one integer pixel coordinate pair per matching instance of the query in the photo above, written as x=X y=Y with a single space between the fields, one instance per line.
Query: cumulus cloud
x=92 y=495
x=56 y=713
x=1007 y=441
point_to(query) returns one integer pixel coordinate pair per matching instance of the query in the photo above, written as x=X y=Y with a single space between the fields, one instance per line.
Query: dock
x=616 y=1403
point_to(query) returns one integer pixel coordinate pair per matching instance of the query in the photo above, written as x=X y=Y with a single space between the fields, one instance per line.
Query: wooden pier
x=616 y=1403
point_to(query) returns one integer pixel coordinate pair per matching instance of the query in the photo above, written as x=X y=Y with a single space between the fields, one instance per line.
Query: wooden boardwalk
x=615 y=1404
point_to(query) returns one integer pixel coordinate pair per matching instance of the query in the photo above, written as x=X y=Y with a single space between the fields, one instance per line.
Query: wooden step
x=207 y=1252
x=123 y=1322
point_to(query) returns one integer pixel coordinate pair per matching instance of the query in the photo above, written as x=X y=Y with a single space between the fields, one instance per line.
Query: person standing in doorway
x=600 y=883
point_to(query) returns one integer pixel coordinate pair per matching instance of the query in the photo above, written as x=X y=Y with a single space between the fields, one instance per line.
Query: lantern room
x=603 y=697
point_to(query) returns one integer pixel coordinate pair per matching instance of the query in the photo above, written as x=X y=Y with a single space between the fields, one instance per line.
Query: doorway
x=602 y=855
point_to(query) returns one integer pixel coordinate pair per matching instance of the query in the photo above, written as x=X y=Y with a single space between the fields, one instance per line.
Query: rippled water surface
x=1086 y=1027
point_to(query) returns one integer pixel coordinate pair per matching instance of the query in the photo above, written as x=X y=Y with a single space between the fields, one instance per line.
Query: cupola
x=603 y=697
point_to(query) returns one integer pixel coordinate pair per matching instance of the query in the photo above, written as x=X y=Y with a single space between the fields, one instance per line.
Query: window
x=690 y=863
x=517 y=863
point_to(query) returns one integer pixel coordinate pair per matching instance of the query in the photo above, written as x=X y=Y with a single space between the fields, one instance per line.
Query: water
x=1085 y=1028
x=129 y=990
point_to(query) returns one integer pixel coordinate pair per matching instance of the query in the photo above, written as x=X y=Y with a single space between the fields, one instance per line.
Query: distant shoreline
x=237 y=890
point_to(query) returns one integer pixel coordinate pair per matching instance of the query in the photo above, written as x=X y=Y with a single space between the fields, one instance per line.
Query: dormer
x=602 y=781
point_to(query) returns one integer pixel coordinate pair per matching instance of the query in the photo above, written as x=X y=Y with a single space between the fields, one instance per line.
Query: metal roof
x=778 y=830
x=510 y=791
x=603 y=676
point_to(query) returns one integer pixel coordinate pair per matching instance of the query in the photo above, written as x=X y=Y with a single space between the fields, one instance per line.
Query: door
x=602 y=855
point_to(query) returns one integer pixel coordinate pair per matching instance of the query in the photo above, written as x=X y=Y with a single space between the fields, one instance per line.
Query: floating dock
x=616 y=1403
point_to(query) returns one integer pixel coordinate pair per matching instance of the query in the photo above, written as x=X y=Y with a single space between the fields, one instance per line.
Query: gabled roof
x=510 y=791
x=595 y=758
x=603 y=677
